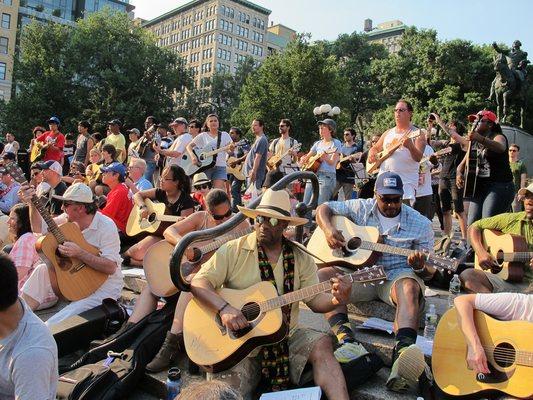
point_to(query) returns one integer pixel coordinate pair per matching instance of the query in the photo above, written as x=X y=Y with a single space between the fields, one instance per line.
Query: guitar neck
x=216 y=151
x=524 y=358
x=310 y=291
x=521 y=256
x=52 y=226
x=226 y=238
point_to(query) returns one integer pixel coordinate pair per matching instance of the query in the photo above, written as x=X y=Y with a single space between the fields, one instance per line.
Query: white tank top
x=401 y=161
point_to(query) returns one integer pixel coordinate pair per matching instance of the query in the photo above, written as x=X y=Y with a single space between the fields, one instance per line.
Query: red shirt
x=118 y=206
x=52 y=154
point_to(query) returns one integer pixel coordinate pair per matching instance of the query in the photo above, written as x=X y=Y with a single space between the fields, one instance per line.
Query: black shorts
x=449 y=192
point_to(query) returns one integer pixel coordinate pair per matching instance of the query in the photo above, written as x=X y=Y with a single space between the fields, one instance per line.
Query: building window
x=6 y=21
x=2 y=71
x=2 y=95
x=8 y=2
x=4 y=45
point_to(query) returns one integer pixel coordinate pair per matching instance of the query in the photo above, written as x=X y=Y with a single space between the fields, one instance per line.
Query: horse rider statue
x=517 y=61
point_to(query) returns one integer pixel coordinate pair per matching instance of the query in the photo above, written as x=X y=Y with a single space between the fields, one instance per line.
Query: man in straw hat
x=518 y=223
x=98 y=230
x=401 y=226
x=263 y=255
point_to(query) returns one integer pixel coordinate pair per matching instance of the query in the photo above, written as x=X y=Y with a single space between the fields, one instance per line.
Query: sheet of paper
x=378 y=324
x=136 y=272
x=425 y=345
x=311 y=393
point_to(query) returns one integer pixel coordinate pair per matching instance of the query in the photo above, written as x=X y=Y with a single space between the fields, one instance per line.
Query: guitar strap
x=275 y=358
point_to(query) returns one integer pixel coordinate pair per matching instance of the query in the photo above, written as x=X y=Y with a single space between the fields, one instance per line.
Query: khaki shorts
x=382 y=292
x=245 y=376
x=501 y=286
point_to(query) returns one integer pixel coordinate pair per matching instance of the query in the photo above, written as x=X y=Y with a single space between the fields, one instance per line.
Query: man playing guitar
x=401 y=226
x=53 y=141
x=283 y=144
x=40 y=289
x=405 y=160
x=519 y=223
x=251 y=259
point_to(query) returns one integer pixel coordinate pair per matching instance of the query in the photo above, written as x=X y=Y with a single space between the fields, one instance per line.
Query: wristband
x=417 y=271
x=223 y=307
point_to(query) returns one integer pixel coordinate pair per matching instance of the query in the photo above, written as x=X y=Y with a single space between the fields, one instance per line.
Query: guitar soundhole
x=250 y=311
x=151 y=218
x=504 y=355
x=353 y=244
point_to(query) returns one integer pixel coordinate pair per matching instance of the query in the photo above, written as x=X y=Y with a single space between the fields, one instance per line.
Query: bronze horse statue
x=508 y=90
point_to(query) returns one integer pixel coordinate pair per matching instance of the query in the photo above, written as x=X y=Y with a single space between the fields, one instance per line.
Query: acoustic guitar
x=314 y=162
x=439 y=153
x=152 y=224
x=236 y=171
x=75 y=279
x=206 y=157
x=355 y=157
x=509 y=351
x=274 y=161
x=389 y=151
x=510 y=252
x=157 y=258
x=210 y=345
x=363 y=248
x=38 y=149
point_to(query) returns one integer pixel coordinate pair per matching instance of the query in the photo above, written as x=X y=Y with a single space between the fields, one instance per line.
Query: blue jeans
x=236 y=188
x=326 y=187
x=150 y=169
x=491 y=198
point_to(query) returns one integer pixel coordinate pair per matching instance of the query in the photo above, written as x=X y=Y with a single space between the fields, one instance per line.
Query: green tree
x=104 y=67
x=290 y=85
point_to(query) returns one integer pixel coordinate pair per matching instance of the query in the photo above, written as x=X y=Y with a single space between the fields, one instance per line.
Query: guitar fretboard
x=367 y=275
x=521 y=256
x=524 y=358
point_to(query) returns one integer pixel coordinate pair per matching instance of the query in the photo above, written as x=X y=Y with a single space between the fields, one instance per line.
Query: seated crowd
x=115 y=199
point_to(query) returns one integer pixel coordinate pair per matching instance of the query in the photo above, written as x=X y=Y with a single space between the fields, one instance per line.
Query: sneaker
x=348 y=352
x=407 y=368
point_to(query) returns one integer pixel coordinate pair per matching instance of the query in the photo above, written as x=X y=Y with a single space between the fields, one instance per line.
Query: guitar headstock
x=16 y=172
x=443 y=263
x=369 y=274
x=297 y=147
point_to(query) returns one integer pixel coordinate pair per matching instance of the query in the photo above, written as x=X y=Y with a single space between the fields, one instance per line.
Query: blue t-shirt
x=321 y=147
x=260 y=146
x=143 y=184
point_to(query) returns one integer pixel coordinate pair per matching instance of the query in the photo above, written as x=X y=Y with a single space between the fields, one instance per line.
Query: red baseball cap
x=483 y=113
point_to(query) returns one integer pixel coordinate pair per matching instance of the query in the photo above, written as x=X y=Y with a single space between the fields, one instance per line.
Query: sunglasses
x=400 y=110
x=390 y=200
x=220 y=217
x=202 y=186
x=261 y=220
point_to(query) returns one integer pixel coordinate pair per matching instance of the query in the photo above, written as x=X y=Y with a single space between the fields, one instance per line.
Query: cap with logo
x=54 y=120
x=483 y=114
x=78 y=193
x=116 y=167
x=329 y=122
x=389 y=183
x=53 y=166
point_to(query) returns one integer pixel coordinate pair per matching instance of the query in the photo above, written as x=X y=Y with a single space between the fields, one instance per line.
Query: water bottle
x=173 y=383
x=455 y=289
x=430 y=322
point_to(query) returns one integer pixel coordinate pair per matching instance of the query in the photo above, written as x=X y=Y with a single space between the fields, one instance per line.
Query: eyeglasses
x=68 y=203
x=220 y=217
x=390 y=200
x=400 y=110
x=193 y=127
x=202 y=186
x=261 y=220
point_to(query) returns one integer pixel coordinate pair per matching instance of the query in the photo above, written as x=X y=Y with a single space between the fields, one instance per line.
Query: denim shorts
x=216 y=173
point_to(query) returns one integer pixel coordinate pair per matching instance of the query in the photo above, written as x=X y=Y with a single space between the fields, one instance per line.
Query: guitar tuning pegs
x=381 y=282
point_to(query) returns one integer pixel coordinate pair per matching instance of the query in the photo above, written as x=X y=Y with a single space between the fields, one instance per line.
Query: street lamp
x=326 y=110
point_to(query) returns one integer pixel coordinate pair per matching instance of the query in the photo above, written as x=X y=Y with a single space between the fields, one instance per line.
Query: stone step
x=375 y=389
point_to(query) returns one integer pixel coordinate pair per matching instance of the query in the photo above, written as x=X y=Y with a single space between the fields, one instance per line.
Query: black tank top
x=500 y=170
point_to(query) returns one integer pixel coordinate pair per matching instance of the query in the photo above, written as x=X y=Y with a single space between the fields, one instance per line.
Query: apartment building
x=387 y=33
x=278 y=37
x=16 y=14
x=213 y=35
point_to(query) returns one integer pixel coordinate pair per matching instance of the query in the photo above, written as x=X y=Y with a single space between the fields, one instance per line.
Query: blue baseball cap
x=389 y=183
x=116 y=167
x=54 y=120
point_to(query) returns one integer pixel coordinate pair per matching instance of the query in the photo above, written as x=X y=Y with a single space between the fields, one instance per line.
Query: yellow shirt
x=235 y=265
x=119 y=141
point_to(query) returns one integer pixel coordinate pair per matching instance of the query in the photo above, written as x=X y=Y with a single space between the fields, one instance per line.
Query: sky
x=473 y=20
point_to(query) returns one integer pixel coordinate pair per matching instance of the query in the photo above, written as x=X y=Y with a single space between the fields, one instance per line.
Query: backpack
x=113 y=369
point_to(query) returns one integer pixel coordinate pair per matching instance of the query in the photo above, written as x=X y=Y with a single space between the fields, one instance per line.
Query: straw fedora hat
x=200 y=178
x=276 y=204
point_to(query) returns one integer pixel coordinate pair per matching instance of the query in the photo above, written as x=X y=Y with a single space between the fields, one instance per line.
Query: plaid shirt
x=413 y=232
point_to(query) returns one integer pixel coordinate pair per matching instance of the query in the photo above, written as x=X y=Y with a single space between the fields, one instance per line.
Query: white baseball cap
x=52 y=165
x=78 y=193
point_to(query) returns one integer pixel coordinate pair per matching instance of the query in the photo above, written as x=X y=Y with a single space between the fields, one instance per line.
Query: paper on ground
x=311 y=393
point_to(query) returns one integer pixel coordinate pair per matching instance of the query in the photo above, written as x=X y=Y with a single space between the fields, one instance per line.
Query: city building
x=18 y=13
x=278 y=37
x=387 y=33
x=213 y=35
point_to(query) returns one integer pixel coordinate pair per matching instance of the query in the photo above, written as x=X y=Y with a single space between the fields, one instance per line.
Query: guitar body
x=155 y=263
x=344 y=257
x=471 y=168
x=273 y=162
x=313 y=164
x=76 y=280
x=383 y=155
x=497 y=243
x=507 y=375
x=156 y=223
x=36 y=153
x=237 y=170
x=209 y=345
x=206 y=161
